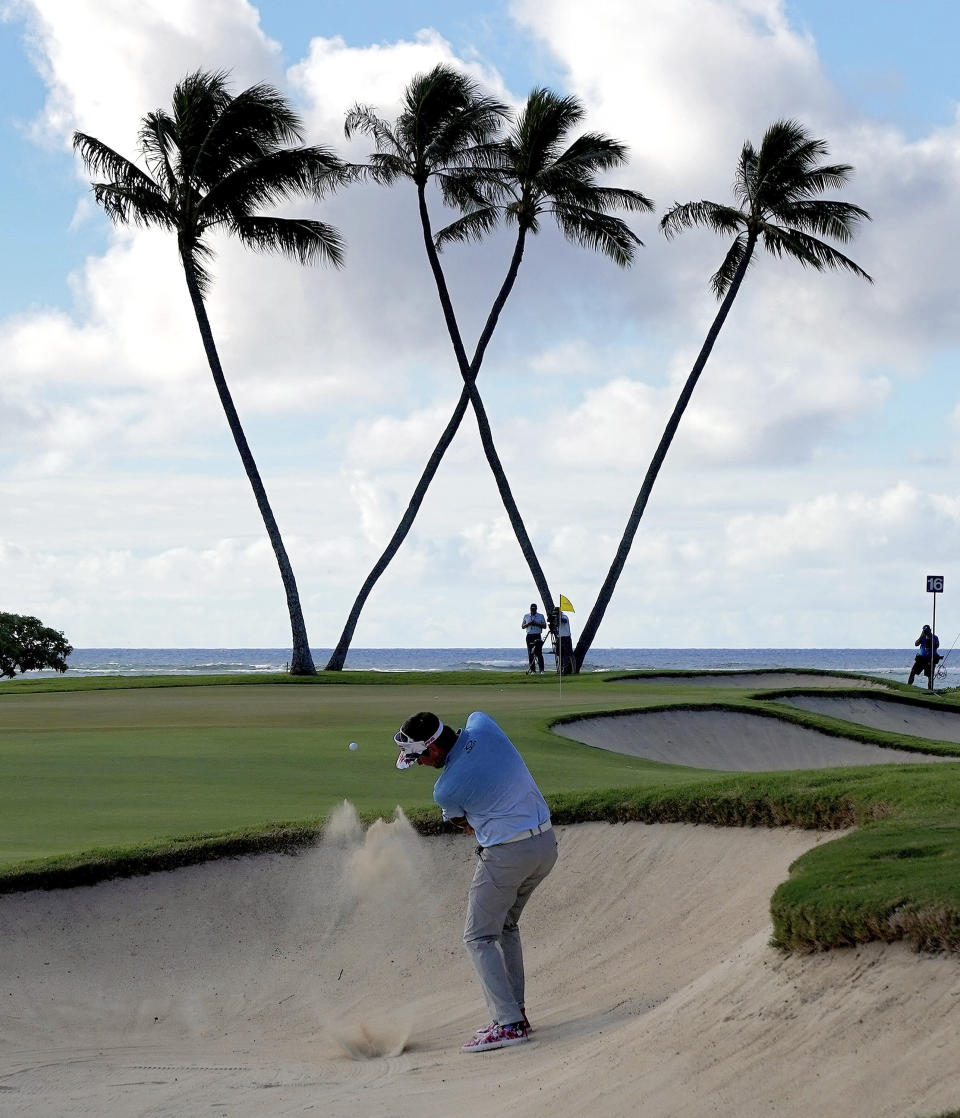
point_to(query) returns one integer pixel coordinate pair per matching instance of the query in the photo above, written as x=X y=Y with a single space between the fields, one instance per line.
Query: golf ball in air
x=353 y=745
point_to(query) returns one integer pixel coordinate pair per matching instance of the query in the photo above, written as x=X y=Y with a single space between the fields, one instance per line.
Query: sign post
x=934 y=587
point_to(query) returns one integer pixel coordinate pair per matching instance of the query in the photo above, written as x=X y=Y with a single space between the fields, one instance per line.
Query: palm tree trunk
x=301 y=662
x=483 y=424
x=339 y=655
x=626 y=541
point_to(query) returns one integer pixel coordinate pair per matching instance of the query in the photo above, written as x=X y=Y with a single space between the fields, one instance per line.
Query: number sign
x=934 y=584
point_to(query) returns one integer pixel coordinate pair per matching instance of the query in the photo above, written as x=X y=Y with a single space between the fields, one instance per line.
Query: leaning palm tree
x=212 y=165
x=446 y=131
x=777 y=191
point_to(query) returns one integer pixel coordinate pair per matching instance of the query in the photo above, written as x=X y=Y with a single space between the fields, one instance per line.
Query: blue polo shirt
x=484 y=778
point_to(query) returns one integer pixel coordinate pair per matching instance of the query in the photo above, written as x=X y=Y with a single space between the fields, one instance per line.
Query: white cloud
x=406 y=440
x=106 y=65
x=668 y=75
x=851 y=528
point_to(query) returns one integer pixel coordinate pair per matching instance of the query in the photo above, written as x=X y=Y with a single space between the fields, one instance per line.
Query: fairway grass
x=114 y=776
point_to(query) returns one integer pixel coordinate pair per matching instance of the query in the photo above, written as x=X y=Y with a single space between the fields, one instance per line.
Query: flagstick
x=559 y=654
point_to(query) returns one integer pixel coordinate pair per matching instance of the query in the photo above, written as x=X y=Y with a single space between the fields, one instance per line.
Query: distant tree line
x=216 y=160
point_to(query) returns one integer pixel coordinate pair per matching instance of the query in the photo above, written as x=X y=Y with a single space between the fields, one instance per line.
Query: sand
x=880 y=714
x=734 y=741
x=335 y=983
x=760 y=680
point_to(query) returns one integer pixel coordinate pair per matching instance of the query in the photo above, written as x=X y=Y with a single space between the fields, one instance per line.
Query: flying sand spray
x=382 y=877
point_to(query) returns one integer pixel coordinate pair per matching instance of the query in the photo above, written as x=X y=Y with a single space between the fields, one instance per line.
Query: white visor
x=411 y=750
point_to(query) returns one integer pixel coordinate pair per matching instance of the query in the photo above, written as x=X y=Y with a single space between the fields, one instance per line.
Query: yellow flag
x=565 y=604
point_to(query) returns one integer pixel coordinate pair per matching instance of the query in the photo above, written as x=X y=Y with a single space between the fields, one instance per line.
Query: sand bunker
x=883 y=714
x=219 y=989
x=728 y=740
x=758 y=680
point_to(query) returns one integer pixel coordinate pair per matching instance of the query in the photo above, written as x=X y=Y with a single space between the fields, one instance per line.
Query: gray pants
x=505 y=877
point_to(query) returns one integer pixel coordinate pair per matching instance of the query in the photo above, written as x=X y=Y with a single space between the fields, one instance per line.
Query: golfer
x=486 y=790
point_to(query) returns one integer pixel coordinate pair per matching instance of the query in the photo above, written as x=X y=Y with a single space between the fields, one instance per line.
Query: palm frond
x=468 y=188
x=540 y=170
x=197 y=102
x=787 y=149
x=592 y=153
x=465 y=130
x=219 y=132
x=709 y=215
x=593 y=197
x=473 y=226
x=819 y=179
x=619 y=198
x=135 y=204
x=331 y=173
x=362 y=119
x=536 y=138
x=722 y=278
x=102 y=160
x=195 y=255
x=259 y=117
x=444 y=118
x=787 y=167
x=273 y=178
x=386 y=167
x=598 y=231
x=823 y=217
x=809 y=251
x=308 y=242
x=159 y=144
x=746 y=178
x=356 y=172
x=777 y=187
x=516 y=213
x=218 y=160
x=487 y=156
x=445 y=126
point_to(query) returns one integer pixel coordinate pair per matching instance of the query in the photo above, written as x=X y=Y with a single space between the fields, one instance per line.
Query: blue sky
x=813 y=481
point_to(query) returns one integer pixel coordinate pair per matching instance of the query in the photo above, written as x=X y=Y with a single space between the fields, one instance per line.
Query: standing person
x=534 y=623
x=566 y=646
x=928 y=657
x=486 y=790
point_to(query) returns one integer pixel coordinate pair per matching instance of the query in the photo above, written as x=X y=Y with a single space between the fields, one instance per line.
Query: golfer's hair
x=421 y=725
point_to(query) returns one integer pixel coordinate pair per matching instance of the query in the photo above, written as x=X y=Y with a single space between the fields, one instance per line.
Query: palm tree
x=446 y=131
x=777 y=191
x=213 y=164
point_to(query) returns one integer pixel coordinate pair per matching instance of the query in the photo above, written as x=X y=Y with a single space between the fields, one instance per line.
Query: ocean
x=887 y=663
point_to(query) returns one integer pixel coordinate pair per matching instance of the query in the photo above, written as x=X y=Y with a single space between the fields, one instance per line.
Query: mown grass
x=119 y=776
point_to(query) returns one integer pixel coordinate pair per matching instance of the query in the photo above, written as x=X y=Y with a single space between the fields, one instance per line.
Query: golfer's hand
x=462 y=825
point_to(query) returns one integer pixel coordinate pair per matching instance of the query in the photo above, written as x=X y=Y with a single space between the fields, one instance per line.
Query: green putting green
x=122 y=765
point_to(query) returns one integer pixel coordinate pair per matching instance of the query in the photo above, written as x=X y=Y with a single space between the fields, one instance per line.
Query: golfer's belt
x=539 y=830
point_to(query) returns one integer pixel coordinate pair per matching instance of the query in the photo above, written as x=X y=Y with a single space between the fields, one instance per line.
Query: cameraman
x=928 y=657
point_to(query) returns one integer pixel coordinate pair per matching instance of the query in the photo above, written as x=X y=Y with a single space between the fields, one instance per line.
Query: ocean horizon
x=886 y=663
